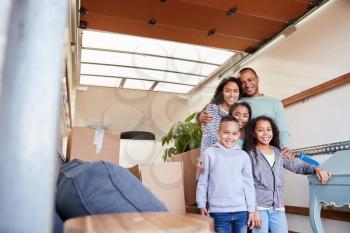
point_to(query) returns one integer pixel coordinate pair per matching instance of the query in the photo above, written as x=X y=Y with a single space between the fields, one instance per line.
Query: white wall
x=322 y=119
x=127 y=110
x=202 y=98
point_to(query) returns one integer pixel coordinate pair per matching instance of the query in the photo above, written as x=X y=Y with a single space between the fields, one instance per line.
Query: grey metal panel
x=5 y=6
x=323 y=149
x=29 y=107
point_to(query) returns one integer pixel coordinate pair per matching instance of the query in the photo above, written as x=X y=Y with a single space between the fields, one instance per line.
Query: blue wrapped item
x=86 y=188
x=309 y=160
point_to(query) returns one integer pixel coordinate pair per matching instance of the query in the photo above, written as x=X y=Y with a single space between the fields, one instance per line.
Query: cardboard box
x=165 y=181
x=90 y=144
x=189 y=160
x=192 y=209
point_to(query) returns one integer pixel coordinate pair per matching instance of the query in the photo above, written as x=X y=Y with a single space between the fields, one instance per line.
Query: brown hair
x=251 y=141
x=218 y=97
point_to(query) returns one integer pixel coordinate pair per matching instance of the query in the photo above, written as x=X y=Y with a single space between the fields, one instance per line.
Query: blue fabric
x=231 y=222
x=58 y=224
x=85 y=188
x=271 y=107
x=239 y=143
x=272 y=220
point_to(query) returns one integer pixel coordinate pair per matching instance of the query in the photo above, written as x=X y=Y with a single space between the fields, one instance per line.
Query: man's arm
x=281 y=122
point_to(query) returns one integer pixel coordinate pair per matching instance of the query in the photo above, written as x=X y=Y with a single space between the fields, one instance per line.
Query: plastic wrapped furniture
x=335 y=192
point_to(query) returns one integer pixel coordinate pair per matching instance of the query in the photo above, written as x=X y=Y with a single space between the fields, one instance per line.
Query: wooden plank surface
x=317 y=90
x=329 y=214
x=139 y=222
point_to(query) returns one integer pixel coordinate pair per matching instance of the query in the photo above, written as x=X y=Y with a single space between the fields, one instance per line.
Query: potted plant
x=186 y=139
x=185 y=136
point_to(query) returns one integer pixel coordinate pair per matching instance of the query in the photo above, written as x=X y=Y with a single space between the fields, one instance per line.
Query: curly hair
x=218 y=97
x=244 y=104
x=251 y=141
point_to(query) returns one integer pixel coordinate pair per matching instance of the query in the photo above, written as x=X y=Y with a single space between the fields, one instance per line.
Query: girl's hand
x=204 y=117
x=200 y=168
x=286 y=153
x=257 y=220
x=322 y=176
x=204 y=211
x=250 y=221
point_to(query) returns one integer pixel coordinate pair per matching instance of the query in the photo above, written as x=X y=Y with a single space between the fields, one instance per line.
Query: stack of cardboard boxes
x=189 y=160
x=165 y=180
x=172 y=182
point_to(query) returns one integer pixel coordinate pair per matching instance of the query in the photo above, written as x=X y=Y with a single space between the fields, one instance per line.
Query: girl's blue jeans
x=232 y=222
x=274 y=220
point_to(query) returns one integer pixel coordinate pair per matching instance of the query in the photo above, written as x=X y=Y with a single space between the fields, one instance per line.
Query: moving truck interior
x=106 y=80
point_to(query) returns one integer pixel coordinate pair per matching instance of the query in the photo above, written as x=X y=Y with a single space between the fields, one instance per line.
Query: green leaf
x=191 y=117
x=165 y=155
x=184 y=135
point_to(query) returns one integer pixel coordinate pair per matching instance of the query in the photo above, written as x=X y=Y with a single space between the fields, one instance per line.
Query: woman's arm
x=209 y=130
x=281 y=122
x=203 y=117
